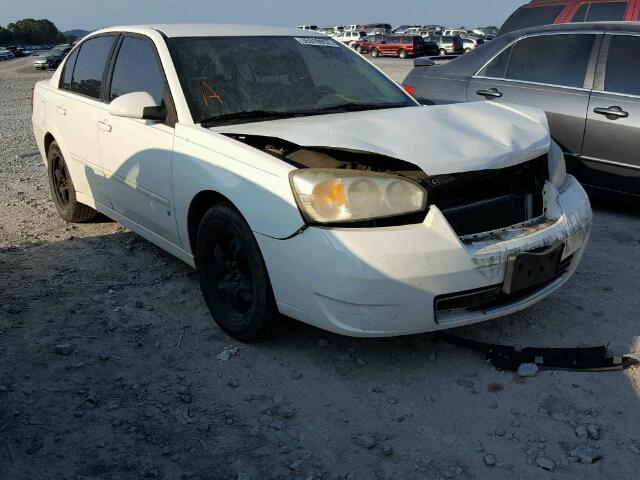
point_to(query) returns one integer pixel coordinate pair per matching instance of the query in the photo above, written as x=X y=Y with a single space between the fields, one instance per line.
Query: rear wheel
x=62 y=189
x=442 y=52
x=467 y=50
x=233 y=276
x=375 y=53
x=402 y=54
x=358 y=49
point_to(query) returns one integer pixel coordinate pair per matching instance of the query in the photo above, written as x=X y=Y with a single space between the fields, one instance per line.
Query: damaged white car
x=302 y=182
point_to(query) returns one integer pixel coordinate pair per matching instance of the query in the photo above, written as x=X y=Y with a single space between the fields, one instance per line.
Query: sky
x=93 y=14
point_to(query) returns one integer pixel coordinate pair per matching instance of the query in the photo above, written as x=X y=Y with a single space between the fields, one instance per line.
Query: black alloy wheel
x=233 y=276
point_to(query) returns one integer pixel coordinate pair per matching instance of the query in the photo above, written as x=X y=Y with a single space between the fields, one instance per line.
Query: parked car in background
x=402 y=46
x=364 y=44
x=349 y=37
x=471 y=43
x=448 y=45
x=52 y=58
x=17 y=51
x=585 y=76
x=6 y=54
x=544 y=12
x=404 y=28
x=452 y=32
x=315 y=187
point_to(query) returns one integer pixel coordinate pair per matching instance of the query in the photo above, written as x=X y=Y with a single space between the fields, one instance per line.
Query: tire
x=375 y=53
x=62 y=189
x=358 y=49
x=442 y=52
x=467 y=50
x=234 y=278
x=402 y=54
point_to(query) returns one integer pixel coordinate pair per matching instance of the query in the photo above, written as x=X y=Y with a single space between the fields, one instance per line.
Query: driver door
x=137 y=154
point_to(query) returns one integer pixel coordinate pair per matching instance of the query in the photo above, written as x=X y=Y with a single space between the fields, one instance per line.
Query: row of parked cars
x=407 y=40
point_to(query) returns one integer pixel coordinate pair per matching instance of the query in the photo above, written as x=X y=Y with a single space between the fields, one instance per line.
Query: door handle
x=105 y=127
x=490 y=93
x=611 y=113
x=61 y=110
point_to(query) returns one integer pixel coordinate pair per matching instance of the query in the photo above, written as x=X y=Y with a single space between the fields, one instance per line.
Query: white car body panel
x=459 y=139
x=362 y=282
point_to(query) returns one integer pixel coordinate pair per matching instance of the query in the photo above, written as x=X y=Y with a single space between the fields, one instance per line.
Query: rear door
x=553 y=72
x=611 y=154
x=77 y=110
x=136 y=154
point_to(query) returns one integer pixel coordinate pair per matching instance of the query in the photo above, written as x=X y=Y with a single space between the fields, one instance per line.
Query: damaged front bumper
x=386 y=281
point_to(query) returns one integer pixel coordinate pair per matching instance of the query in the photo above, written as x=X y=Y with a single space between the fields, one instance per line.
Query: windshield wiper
x=356 y=107
x=246 y=115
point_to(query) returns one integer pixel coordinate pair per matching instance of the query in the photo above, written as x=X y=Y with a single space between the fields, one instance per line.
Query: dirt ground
x=111 y=367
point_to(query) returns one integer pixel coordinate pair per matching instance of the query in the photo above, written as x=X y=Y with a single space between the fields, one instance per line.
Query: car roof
x=474 y=60
x=212 y=30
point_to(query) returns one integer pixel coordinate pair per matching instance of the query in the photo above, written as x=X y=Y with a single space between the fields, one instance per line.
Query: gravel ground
x=111 y=368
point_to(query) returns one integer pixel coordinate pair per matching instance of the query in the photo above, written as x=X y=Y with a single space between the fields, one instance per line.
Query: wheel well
x=48 y=140
x=200 y=204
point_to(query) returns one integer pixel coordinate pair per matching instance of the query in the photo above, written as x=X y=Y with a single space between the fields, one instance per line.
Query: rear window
x=596 y=12
x=68 y=70
x=623 y=69
x=90 y=66
x=552 y=59
x=606 y=11
x=530 y=17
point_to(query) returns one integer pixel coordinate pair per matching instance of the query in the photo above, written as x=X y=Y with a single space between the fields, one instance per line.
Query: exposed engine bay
x=473 y=202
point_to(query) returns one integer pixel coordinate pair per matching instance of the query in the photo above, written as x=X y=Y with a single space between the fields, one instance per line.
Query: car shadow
x=107 y=342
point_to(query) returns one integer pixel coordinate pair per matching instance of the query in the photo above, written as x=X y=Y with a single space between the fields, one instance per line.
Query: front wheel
x=233 y=276
x=467 y=50
x=358 y=49
x=62 y=189
x=375 y=53
x=402 y=54
x=442 y=52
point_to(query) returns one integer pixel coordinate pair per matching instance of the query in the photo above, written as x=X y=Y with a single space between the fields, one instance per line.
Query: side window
x=599 y=12
x=531 y=17
x=623 y=69
x=90 y=66
x=581 y=14
x=552 y=59
x=68 y=70
x=137 y=70
x=497 y=68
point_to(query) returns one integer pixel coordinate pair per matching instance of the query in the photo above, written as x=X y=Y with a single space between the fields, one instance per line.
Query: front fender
x=256 y=183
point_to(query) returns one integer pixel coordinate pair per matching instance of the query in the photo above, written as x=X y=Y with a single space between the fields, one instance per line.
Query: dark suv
x=402 y=46
x=585 y=76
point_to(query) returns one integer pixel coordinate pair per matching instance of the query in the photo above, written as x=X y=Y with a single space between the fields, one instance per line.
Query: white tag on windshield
x=316 y=42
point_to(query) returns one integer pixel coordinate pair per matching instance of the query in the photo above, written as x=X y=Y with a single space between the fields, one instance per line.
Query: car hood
x=439 y=139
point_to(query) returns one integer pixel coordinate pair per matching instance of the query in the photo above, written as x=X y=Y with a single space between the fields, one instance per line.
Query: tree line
x=31 y=32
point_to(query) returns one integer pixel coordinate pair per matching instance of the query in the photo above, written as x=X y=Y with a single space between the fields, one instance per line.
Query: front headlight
x=334 y=196
x=557 y=166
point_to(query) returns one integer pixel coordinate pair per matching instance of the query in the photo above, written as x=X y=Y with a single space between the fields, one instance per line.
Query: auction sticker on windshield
x=317 y=42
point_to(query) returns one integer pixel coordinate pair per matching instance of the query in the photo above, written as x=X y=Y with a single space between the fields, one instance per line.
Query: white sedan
x=302 y=182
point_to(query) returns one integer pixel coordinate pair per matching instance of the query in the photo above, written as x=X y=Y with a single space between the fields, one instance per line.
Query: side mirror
x=423 y=62
x=139 y=105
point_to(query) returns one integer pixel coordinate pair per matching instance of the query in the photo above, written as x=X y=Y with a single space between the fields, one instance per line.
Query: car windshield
x=251 y=77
